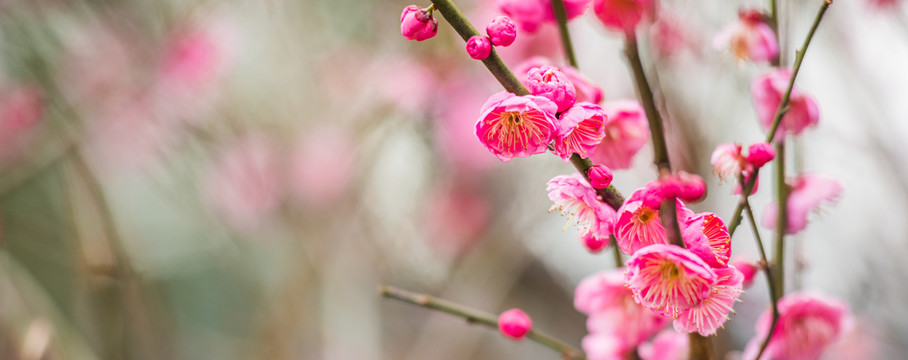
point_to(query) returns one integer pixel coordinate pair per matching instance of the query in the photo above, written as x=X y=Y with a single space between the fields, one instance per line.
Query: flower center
x=515 y=130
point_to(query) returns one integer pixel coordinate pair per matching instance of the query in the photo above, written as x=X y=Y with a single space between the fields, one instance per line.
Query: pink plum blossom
x=244 y=185
x=549 y=82
x=711 y=313
x=638 y=223
x=626 y=131
x=727 y=161
x=514 y=324
x=600 y=176
x=668 y=278
x=530 y=14
x=417 y=23
x=807 y=324
x=455 y=139
x=807 y=193
x=479 y=47
x=571 y=194
x=747 y=173
x=684 y=186
x=585 y=89
x=603 y=346
x=623 y=15
x=705 y=234
x=748 y=269
x=516 y=126
x=580 y=129
x=502 y=31
x=749 y=38
x=670 y=36
x=758 y=154
x=667 y=345
x=768 y=90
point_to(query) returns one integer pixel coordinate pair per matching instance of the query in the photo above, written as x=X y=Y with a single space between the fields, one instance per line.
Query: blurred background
x=233 y=179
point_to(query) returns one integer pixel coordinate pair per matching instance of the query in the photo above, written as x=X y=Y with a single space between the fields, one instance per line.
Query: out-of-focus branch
x=561 y=18
x=764 y=263
x=474 y=316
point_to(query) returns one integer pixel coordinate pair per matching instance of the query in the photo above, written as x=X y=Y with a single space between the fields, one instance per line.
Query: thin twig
x=778 y=258
x=474 y=316
x=764 y=263
x=561 y=19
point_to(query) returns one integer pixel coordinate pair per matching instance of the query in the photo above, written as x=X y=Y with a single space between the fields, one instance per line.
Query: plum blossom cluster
x=749 y=38
x=501 y=32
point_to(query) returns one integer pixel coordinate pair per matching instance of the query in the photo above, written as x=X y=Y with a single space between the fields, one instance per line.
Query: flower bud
x=514 y=323
x=592 y=243
x=748 y=269
x=691 y=187
x=479 y=47
x=759 y=154
x=600 y=176
x=417 y=23
x=502 y=31
x=549 y=82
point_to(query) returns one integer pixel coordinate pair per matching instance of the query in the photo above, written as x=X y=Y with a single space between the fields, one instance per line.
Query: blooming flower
x=749 y=38
x=514 y=323
x=600 y=176
x=549 y=82
x=626 y=131
x=479 y=47
x=768 y=90
x=807 y=193
x=516 y=126
x=807 y=324
x=667 y=345
x=638 y=224
x=622 y=15
x=572 y=194
x=669 y=278
x=727 y=161
x=580 y=129
x=710 y=313
x=417 y=23
x=705 y=234
x=502 y=31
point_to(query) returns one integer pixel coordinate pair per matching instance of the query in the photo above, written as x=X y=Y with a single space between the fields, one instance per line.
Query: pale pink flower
x=571 y=194
x=603 y=347
x=706 y=235
x=667 y=345
x=626 y=131
x=749 y=38
x=758 y=154
x=727 y=161
x=712 y=312
x=530 y=14
x=885 y=5
x=807 y=324
x=322 y=166
x=612 y=309
x=623 y=15
x=668 y=278
x=638 y=224
x=21 y=109
x=670 y=36
x=516 y=126
x=502 y=31
x=861 y=341
x=543 y=43
x=549 y=82
x=580 y=129
x=514 y=324
x=244 y=185
x=479 y=47
x=417 y=23
x=807 y=193
x=768 y=90
x=454 y=138
x=748 y=269
x=600 y=176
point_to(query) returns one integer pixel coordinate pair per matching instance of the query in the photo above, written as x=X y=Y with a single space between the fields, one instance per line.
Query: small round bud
x=600 y=176
x=592 y=243
x=502 y=31
x=691 y=187
x=479 y=47
x=417 y=23
x=759 y=154
x=514 y=323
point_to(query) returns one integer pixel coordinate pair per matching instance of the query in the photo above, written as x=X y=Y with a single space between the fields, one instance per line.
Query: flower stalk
x=561 y=19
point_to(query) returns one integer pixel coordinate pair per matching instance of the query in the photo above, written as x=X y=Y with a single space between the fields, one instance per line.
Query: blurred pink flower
x=544 y=43
x=516 y=126
x=669 y=279
x=502 y=31
x=417 y=23
x=727 y=161
x=580 y=129
x=455 y=216
x=807 y=324
x=638 y=224
x=683 y=185
x=479 y=47
x=405 y=83
x=706 y=236
x=667 y=345
x=603 y=346
x=711 y=313
x=571 y=194
x=244 y=185
x=768 y=90
x=514 y=323
x=760 y=153
x=807 y=193
x=530 y=14
x=749 y=38
x=453 y=134
x=670 y=36
x=626 y=131
x=549 y=82
x=322 y=166
x=623 y=15
x=21 y=109
x=748 y=269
